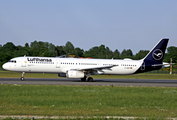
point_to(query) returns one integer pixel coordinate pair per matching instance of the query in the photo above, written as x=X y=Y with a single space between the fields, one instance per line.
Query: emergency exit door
x=23 y=62
x=58 y=63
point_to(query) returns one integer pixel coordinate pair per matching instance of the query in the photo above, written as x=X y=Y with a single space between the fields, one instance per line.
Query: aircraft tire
x=22 y=78
x=90 y=79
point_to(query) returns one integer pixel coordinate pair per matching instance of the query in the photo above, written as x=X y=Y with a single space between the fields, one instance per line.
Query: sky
x=117 y=24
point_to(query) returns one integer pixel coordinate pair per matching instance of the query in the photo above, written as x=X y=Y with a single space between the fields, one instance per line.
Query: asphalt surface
x=96 y=82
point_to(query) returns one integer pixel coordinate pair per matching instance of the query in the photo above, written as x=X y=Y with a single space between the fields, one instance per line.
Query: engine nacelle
x=61 y=74
x=74 y=74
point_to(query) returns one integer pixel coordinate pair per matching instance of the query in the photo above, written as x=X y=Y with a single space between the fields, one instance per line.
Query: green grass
x=7 y=74
x=88 y=101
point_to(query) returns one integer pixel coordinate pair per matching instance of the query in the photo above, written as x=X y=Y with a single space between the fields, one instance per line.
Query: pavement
x=96 y=82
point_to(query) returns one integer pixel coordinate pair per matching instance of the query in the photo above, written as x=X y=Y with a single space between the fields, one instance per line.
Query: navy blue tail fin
x=154 y=59
x=156 y=55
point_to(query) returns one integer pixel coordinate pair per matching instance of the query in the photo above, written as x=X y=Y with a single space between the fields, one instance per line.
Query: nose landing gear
x=22 y=78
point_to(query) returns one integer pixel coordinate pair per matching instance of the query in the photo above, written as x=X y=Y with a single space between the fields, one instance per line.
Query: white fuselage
x=61 y=65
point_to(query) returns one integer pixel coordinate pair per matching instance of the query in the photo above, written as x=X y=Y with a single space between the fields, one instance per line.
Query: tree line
x=45 y=49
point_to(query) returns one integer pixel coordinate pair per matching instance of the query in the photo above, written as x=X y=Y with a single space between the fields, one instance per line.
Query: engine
x=74 y=74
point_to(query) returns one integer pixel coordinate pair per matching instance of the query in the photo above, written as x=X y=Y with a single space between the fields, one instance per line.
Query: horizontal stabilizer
x=164 y=65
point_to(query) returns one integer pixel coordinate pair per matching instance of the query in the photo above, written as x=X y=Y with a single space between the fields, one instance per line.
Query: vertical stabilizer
x=156 y=55
x=154 y=59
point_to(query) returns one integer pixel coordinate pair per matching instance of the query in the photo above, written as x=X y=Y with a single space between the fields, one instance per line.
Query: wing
x=94 y=68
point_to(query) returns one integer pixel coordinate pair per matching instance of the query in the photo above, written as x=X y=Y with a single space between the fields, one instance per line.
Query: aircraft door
x=99 y=64
x=58 y=63
x=143 y=66
x=23 y=62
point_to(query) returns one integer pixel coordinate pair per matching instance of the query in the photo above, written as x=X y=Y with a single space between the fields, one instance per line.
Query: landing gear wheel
x=90 y=79
x=22 y=78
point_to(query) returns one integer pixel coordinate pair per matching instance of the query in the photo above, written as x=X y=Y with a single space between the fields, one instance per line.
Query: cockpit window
x=12 y=61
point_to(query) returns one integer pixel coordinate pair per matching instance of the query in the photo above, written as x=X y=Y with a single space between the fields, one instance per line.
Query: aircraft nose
x=5 y=66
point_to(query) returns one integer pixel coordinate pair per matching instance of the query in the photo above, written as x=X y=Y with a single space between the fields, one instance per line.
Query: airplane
x=82 y=68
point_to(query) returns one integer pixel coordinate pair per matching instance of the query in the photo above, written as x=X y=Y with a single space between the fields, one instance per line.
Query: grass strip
x=88 y=101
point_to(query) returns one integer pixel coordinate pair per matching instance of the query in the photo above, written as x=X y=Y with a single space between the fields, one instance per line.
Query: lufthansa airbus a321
x=83 y=68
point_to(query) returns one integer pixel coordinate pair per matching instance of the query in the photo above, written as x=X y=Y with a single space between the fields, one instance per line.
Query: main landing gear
x=90 y=79
x=22 y=78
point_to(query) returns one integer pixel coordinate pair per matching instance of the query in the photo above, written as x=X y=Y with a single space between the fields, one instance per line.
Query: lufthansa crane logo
x=157 y=54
